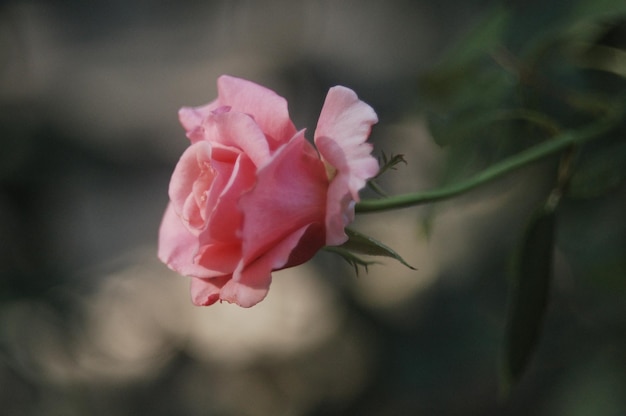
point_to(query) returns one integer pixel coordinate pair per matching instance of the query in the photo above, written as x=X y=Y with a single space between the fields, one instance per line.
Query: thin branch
x=526 y=157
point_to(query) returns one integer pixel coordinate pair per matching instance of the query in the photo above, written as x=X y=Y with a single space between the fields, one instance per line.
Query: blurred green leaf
x=599 y=172
x=456 y=106
x=603 y=58
x=586 y=10
x=467 y=80
x=484 y=38
x=483 y=123
x=529 y=295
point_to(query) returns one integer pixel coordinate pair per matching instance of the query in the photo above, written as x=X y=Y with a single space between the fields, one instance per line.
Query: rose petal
x=339 y=210
x=178 y=247
x=243 y=295
x=346 y=122
x=220 y=258
x=290 y=193
x=225 y=222
x=205 y=292
x=240 y=131
x=342 y=130
x=251 y=282
x=309 y=244
x=192 y=117
x=187 y=171
x=268 y=108
x=223 y=160
x=197 y=181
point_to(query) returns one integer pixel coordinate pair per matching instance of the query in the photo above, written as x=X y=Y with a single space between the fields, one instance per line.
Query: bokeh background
x=91 y=323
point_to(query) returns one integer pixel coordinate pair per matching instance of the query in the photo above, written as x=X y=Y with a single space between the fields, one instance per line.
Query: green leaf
x=529 y=295
x=467 y=68
x=362 y=244
x=484 y=38
x=600 y=171
x=485 y=122
x=602 y=58
x=597 y=10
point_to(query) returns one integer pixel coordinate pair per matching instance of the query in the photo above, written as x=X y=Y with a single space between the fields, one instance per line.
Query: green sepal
x=362 y=244
x=352 y=259
x=386 y=163
x=389 y=162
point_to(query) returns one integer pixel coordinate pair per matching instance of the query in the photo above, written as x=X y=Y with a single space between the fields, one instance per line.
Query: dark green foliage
x=529 y=294
x=526 y=76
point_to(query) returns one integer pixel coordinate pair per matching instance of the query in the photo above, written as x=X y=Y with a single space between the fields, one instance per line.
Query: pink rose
x=251 y=195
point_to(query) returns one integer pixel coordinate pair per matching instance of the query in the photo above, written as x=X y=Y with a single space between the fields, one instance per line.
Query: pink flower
x=251 y=195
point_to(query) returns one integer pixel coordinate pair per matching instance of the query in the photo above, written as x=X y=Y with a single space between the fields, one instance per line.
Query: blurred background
x=91 y=323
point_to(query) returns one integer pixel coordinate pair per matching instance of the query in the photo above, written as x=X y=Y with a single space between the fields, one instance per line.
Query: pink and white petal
x=356 y=168
x=339 y=211
x=178 y=248
x=205 y=292
x=251 y=282
x=290 y=193
x=240 y=131
x=342 y=130
x=226 y=220
x=268 y=108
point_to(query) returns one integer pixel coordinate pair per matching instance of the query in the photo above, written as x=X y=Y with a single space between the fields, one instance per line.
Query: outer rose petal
x=290 y=193
x=251 y=282
x=268 y=109
x=205 y=292
x=339 y=211
x=178 y=247
x=221 y=258
x=342 y=130
x=341 y=134
x=191 y=119
x=309 y=244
